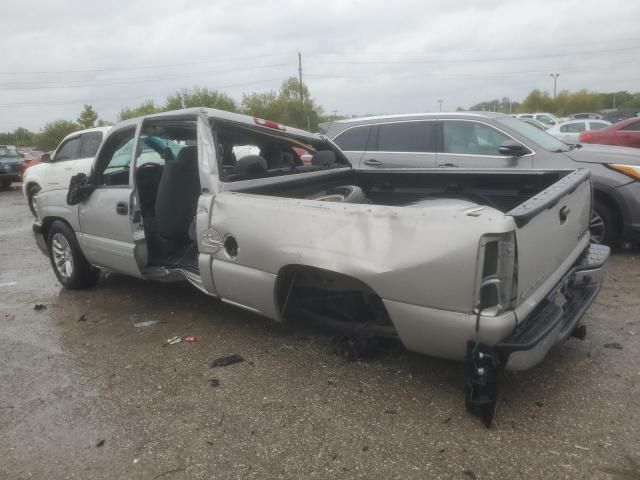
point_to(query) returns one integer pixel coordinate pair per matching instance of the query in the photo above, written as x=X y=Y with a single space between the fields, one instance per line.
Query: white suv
x=549 y=119
x=74 y=155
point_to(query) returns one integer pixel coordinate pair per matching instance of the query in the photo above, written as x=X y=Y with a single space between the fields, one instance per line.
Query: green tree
x=88 y=117
x=53 y=133
x=145 y=108
x=285 y=106
x=21 y=137
x=200 y=97
x=537 y=101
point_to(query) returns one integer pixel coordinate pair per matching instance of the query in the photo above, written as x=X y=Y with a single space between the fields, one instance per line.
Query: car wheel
x=68 y=262
x=603 y=225
x=31 y=198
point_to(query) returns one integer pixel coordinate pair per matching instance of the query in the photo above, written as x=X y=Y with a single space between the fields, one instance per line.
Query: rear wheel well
x=331 y=298
x=608 y=201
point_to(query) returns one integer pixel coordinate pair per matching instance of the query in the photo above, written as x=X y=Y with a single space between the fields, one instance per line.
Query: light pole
x=555 y=81
x=440 y=104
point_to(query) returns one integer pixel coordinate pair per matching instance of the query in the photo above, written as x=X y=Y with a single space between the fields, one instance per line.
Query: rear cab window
x=245 y=152
x=575 y=127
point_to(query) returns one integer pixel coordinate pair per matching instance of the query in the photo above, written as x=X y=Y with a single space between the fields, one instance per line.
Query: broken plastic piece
x=189 y=338
x=146 y=323
x=614 y=345
x=173 y=340
x=39 y=306
x=481 y=374
x=214 y=382
x=227 y=360
x=100 y=443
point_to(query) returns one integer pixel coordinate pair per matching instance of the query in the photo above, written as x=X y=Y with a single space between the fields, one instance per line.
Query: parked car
x=535 y=123
x=74 y=155
x=571 y=130
x=495 y=272
x=549 y=119
x=10 y=162
x=29 y=159
x=617 y=115
x=625 y=133
x=579 y=116
x=493 y=140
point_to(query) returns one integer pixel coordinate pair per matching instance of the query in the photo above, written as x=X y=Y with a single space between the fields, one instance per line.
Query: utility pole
x=335 y=114
x=440 y=104
x=301 y=93
x=555 y=81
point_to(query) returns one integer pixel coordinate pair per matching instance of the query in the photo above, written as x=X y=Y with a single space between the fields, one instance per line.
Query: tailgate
x=550 y=227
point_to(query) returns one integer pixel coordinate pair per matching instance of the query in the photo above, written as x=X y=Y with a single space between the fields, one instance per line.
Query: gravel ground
x=86 y=394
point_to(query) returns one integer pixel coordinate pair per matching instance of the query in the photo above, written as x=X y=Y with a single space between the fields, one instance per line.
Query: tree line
x=564 y=104
x=283 y=105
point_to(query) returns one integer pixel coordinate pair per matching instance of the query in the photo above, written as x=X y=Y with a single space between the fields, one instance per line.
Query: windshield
x=7 y=151
x=543 y=139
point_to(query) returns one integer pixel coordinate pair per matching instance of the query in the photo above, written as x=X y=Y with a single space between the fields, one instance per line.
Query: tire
x=69 y=263
x=604 y=225
x=31 y=194
x=343 y=194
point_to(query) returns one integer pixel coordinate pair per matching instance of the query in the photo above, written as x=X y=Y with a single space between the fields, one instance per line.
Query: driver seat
x=177 y=199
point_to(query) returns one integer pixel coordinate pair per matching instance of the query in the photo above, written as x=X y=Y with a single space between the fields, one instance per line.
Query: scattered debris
x=446 y=420
x=582 y=448
x=173 y=341
x=189 y=338
x=146 y=323
x=100 y=443
x=226 y=360
x=39 y=306
x=539 y=404
x=83 y=318
x=135 y=460
x=614 y=345
x=168 y=472
x=8 y=284
x=365 y=448
x=469 y=474
x=221 y=420
x=209 y=443
x=214 y=382
x=391 y=411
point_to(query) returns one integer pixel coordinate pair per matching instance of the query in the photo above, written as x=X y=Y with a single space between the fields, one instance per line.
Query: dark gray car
x=494 y=140
x=10 y=162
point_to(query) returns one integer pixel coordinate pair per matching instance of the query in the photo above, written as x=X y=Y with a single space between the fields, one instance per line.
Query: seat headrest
x=323 y=158
x=187 y=157
x=273 y=154
x=251 y=166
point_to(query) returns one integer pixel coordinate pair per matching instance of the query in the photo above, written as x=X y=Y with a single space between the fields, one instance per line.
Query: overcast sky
x=359 y=57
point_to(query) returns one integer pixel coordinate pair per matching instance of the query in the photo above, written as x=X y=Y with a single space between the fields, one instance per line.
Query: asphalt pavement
x=86 y=394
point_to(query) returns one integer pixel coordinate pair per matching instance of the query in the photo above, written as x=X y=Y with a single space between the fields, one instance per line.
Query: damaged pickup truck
x=491 y=267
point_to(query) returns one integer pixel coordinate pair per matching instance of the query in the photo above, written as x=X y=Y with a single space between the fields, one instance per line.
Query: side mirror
x=512 y=148
x=80 y=188
x=45 y=158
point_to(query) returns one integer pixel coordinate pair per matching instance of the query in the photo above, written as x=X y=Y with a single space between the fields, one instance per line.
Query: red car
x=30 y=158
x=625 y=134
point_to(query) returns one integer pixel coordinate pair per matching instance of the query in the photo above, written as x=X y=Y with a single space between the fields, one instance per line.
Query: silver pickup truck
x=491 y=267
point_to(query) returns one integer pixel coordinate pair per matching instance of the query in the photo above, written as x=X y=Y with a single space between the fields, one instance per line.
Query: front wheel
x=68 y=262
x=31 y=198
x=603 y=225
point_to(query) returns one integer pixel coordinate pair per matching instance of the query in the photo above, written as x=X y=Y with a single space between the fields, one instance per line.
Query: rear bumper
x=557 y=317
x=38 y=234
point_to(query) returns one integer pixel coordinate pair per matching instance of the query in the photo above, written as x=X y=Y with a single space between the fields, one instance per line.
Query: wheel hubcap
x=597 y=228
x=62 y=255
x=32 y=202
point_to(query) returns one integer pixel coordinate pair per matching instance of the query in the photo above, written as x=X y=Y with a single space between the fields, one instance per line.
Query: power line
x=120 y=81
x=137 y=67
x=479 y=60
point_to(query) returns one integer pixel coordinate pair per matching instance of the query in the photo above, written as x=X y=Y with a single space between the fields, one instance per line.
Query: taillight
x=586 y=136
x=496 y=280
x=268 y=124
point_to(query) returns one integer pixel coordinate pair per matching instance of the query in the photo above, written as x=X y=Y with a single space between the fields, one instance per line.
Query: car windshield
x=543 y=139
x=6 y=151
